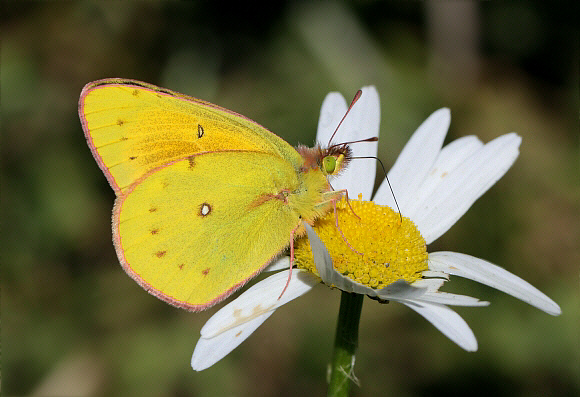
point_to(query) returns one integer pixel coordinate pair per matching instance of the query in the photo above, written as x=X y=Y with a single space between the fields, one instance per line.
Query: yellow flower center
x=375 y=247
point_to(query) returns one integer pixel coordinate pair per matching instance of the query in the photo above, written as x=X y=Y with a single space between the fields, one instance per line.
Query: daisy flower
x=377 y=251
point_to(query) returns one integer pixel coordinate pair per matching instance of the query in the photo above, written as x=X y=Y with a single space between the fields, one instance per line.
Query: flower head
x=373 y=246
x=374 y=250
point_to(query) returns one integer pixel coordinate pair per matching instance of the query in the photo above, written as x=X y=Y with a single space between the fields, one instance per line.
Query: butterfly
x=206 y=198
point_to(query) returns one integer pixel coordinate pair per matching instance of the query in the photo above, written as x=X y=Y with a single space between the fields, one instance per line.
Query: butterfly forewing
x=134 y=127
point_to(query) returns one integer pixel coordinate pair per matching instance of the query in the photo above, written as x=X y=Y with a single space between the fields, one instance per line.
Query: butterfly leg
x=348 y=202
x=292 y=233
x=336 y=221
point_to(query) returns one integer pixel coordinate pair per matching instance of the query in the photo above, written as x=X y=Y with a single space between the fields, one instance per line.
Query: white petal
x=446 y=321
x=230 y=326
x=415 y=161
x=333 y=109
x=259 y=299
x=430 y=284
x=320 y=254
x=280 y=264
x=434 y=274
x=432 y=294
x=401 y=290
x=465 y=184
x=346 y=284
x=489 y=274
x=362 y=122
x=209 y=351
x=446 y=298
x=451 y=156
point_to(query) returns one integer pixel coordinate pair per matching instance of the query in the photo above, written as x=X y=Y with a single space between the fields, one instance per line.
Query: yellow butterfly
x=206 y=198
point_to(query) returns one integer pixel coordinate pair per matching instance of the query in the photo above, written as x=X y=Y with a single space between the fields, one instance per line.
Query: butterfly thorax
x=314 y=197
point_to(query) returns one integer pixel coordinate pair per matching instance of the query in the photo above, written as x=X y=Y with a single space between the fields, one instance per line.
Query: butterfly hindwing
x=194 y=231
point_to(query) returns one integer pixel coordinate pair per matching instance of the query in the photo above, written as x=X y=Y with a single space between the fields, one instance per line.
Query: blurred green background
x=73 y=323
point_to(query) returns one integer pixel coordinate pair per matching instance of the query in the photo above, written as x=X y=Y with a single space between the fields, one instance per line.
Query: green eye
x=329 y=164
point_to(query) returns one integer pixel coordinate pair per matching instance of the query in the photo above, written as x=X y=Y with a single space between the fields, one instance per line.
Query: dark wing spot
x=205 y=272
x=205 y=209
x=152 y=209
x=191 y=161
x=123 y=138
x=154 y=231
x=120 y=122
x=135 y=93
x=199 y=131
x=160 y=254
x=181 y=266
x=132 y=157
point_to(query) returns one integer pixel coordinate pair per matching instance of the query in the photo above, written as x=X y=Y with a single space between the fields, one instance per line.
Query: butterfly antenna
x=356 y=98
x=387 y=178
x=373 y=139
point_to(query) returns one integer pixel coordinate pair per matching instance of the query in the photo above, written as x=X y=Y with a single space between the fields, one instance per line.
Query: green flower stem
x=341 y=370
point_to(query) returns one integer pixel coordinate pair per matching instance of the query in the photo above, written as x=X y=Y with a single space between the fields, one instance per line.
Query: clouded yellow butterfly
x=206 y=198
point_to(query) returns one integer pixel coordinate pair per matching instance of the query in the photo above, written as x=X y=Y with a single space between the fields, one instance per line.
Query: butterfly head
x=335 y=159
x=331 y=160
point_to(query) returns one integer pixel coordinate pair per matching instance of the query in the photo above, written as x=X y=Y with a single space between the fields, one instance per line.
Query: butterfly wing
x=195 y=230
x=133 y=127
